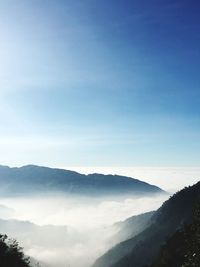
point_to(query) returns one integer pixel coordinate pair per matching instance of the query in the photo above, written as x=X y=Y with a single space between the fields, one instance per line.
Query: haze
x=89 y=225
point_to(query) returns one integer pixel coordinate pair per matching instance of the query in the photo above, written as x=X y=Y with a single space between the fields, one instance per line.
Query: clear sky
x=100 y=83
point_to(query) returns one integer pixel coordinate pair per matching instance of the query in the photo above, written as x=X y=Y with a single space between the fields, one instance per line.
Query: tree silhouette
x=11 y=254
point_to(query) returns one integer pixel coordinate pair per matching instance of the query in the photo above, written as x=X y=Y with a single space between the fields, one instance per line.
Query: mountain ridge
x=44 y=179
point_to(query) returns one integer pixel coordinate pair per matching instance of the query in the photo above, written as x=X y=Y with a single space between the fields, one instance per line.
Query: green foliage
x=11 y=254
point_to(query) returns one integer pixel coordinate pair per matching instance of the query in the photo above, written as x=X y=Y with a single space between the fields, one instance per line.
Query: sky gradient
x=100 y=83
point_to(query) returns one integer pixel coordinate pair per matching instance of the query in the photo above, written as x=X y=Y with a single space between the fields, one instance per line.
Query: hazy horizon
x=108 y=84
x=170 y=179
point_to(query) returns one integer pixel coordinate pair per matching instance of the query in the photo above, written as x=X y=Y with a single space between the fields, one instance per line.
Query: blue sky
x=100 y=83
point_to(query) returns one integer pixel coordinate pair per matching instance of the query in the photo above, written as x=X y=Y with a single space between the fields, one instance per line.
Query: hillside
x=173 y=214
x=124 y=230
x=35 y=179
x=131 y=226
x=183 y=248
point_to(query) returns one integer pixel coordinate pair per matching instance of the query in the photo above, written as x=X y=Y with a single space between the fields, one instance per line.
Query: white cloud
x=88 y=222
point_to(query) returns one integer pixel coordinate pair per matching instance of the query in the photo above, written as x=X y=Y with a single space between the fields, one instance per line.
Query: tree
x=11 y=254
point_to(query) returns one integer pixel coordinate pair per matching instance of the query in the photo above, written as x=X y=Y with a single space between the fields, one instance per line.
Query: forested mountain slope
x=173 y=214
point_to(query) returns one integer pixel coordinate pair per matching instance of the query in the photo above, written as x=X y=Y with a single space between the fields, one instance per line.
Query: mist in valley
x=60 y=231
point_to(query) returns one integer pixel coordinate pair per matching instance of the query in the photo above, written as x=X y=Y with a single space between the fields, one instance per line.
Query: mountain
x=124 y=230
x=183 y=248
x=35 y=179
x=30 y=234
x=131 y=226
x=168 y=219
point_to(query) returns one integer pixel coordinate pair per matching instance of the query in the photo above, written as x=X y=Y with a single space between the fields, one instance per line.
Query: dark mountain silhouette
x=172 y=216
x=183 y=248
x=35 y=179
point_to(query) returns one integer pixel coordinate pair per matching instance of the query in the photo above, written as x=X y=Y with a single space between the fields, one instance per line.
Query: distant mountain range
x=35 y=179
x=166 y=227
x=162 y=238
x=30 y=234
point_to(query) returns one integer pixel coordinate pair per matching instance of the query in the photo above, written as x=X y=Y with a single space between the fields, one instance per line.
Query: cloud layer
x=88 y=224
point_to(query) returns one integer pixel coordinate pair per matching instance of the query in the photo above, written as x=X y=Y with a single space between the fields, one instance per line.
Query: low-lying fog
x=68 y=231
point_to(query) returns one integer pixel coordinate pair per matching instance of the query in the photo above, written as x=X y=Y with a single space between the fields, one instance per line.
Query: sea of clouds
x=69 y=231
